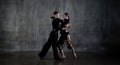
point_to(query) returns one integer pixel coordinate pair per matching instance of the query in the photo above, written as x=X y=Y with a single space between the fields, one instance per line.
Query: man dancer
x=52 y=38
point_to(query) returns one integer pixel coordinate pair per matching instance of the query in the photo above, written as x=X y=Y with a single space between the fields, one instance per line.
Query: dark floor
x=31 y=58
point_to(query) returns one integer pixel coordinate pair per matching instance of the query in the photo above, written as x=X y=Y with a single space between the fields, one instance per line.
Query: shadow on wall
x=112 y=41
x=3 y=33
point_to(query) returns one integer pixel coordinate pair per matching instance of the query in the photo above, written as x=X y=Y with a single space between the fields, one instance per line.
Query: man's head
x=56 y=14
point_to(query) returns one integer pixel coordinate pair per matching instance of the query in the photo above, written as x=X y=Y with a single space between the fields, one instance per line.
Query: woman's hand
x=52 y=17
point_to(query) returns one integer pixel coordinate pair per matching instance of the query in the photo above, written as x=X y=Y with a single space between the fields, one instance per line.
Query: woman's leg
x=60 y=47
x=62 y=52
x=71 y=46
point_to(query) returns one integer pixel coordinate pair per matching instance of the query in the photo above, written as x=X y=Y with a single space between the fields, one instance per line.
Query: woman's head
x=66 y=16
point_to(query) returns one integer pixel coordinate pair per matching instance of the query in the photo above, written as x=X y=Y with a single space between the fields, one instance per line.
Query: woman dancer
x=65 y=36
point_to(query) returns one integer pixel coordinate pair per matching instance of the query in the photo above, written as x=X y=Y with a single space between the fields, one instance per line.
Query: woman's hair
x=66 y=14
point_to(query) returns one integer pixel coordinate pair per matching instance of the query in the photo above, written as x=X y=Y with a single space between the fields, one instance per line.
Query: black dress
x=52 y=40
x=63 y=33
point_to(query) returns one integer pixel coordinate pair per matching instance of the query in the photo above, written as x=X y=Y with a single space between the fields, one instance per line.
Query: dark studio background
x=25 y=24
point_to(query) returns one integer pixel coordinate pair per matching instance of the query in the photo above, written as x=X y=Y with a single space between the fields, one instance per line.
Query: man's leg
x=44 y=50
x=54 y=46
x=46 y=47
x=60 y=47
x=55 y=52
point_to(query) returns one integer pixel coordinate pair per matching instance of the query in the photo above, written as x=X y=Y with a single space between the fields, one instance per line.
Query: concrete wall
x=25 y=24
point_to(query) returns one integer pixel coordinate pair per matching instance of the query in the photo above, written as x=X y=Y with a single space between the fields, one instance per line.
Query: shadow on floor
x=31 y=58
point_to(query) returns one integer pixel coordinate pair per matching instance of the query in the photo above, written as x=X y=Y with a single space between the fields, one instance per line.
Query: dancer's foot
x=75 y=56
x=41 y=58
x=63 y=57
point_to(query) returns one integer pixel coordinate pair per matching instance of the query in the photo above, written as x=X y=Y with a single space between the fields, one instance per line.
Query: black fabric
x=52 y=40
x=56 y=23
x=63 y=33
x=66 y=21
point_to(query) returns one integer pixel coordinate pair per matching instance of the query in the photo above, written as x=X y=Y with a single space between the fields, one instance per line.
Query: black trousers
x=52 y=41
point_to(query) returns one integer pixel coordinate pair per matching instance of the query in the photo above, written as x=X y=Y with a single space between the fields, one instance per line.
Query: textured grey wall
x=25 y=24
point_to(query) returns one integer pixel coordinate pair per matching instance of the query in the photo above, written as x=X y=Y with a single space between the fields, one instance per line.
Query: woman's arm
x=67 y=26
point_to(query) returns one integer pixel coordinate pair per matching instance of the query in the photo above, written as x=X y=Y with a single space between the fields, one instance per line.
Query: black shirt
x=56 y=23
x=66 y=21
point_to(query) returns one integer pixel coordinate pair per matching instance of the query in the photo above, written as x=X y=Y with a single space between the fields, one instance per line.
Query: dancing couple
x=58 y=44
